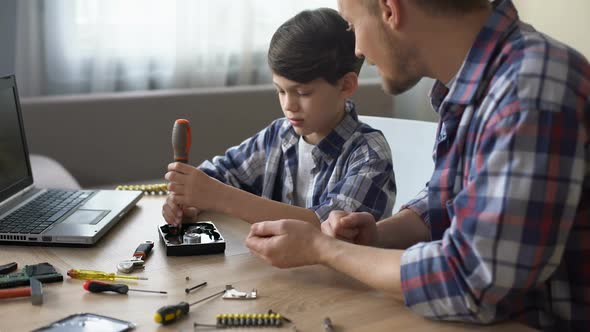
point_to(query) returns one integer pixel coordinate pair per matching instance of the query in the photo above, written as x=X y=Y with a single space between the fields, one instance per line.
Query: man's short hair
x=314 y=44
x=439 y=6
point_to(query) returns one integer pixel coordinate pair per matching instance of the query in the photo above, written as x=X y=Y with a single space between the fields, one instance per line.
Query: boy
x=317 y=159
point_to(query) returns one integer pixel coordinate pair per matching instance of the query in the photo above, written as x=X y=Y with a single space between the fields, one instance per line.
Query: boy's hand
x=286 y=243
x=189 y=186
x=174 y=215
x=359 y=227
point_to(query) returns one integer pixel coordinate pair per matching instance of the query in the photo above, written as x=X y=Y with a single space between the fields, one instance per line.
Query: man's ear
x=391 y=13
x=348 y=84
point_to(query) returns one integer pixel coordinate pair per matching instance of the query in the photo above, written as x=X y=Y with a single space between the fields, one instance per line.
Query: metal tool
x=240 y=320
x=35 y=292
x=94 y=286
x=138 y=260
x=130 y=265
x=234 y=294
x=188 y=290
x=98 y=275
x=328 y=325
x=171 y=313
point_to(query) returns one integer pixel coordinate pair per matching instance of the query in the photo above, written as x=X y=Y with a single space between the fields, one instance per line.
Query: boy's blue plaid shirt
x=353 y=169
x=508 y=204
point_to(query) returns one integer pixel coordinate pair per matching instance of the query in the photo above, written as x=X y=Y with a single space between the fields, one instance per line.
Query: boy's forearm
x=402 y=230
x=376 y=267
x=252 y=208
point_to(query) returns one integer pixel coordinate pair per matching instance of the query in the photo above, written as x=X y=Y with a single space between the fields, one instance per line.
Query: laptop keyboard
x=37 y=215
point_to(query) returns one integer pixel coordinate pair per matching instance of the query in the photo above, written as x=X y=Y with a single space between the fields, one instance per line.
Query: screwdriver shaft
x=207 y=298
x=188 y=290
x=147 y=291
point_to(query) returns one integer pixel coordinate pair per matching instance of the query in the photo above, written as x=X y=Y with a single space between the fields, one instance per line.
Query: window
x=84 y=46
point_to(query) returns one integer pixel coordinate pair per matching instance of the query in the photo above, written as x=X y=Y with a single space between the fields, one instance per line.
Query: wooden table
x=305 y=295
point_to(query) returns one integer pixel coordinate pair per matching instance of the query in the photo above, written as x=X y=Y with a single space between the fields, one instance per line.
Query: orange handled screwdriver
x=181 y=145
x=94 y=286
x=181 y=140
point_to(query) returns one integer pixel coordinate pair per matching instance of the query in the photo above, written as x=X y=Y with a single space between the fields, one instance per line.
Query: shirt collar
x=468 y=81
x=332 y=144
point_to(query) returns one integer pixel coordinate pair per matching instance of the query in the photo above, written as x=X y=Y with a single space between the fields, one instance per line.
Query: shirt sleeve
x=419 y=205
x=243 y=166
x=368 y=183
x=510 y=223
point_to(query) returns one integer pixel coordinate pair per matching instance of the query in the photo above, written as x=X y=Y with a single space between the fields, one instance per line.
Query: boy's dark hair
x=440 y=6
x=314 y=44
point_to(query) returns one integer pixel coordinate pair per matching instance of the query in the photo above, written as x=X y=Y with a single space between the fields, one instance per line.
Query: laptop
x=31 y=215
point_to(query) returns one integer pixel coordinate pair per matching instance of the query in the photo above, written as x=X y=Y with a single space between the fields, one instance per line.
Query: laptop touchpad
x=86 y=217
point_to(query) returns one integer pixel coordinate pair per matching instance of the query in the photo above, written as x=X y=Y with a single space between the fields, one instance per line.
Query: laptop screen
x=15 y=171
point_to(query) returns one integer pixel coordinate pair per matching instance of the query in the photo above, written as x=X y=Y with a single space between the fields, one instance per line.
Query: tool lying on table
x=43 y=272
x=238 y=320
x=94 y=286
x=328 y=327
x=149 y=189
x=170 y=313
x=98 y=275
x=7 y=268
x=138 y=260
x=188 y=290
x=234 y=294
x=35 y=291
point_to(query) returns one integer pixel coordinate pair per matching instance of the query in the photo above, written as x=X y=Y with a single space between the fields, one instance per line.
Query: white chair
x=411 y=145
x=48 y=173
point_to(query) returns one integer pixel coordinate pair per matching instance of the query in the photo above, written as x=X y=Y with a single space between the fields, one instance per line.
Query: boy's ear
x=349 y=84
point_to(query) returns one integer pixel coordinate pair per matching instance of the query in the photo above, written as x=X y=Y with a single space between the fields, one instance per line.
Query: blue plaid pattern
x=508 y=203
x=353 y=168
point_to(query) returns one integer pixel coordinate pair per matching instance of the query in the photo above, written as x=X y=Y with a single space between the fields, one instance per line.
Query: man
x=501 y=229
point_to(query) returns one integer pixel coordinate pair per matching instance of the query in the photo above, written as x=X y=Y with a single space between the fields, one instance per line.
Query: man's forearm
x=253 y=208
x=376 y=267
x=402 y=230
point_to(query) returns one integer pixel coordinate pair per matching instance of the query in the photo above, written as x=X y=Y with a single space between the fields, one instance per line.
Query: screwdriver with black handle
x=94 y=286
x=170 y=313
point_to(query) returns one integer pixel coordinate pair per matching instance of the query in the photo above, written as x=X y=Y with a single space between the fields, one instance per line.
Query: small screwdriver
x=99 y=287
x=170 y=313
x=98 y=275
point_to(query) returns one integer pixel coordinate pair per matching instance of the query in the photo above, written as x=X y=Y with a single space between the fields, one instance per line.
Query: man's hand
x=359 y=228
x=286 y=243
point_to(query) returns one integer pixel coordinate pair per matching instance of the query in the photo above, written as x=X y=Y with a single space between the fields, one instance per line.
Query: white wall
x=567 y=21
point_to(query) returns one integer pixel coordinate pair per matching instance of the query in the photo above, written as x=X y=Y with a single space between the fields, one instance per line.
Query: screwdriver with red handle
x=94 y=286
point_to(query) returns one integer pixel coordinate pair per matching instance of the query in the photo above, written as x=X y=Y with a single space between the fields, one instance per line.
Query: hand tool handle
x=98 y=275
x=181 y=140
x=143 y=250
x=15 y=292
x=170 y=313
x=99 y=287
